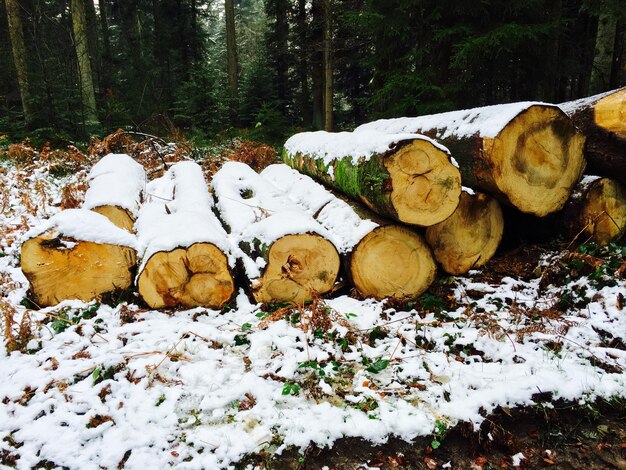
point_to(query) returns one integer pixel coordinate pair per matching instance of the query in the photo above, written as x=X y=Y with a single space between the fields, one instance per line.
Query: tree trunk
x=602 y=119
x=381 y=259
x=316 y=63
x=231 y=57
x=187 y=258
x=107 y=57
x=328 y=67
x=81 y=44
x=603 y=56
x=19 y=55
x=92 y=33
x=470 y=236
x=77 y=254
x=596 y=212
x=405 y=177
x=116 y=189
x=528 y=155
x=302 y=64
x=286 y=255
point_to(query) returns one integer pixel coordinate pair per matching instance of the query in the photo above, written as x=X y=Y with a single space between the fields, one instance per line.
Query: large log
x=602 y=118
x=469 y=237
x=381 y=259
x=187 y=259
x=596 y=211
x=286 y=255
x=527 y=154
x=404 y=177
x=77 y=254
x=116 y=189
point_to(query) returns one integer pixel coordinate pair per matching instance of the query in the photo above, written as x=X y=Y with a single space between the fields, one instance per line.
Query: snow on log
x=116 y=187
x=187 y=259
x=469 y=237
x=405 y=177
x=602 y=119
x=77 y=254
x=286 y=255
x=526 y=154
x=381 y=259
x=596 y=211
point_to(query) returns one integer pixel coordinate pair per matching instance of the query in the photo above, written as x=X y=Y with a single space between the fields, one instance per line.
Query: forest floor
x=521 y=363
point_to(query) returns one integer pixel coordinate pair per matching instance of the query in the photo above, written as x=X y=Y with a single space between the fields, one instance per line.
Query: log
x=404 y=177
x=596 y=211
x=602 y=119
x=116 y=189
x=187 y=259
x=285 y=254
x=470 y=236
x=77 y=254
x=381 y=259
x=528 y=155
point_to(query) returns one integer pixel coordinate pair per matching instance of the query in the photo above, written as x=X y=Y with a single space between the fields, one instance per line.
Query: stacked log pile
x=382 y=259
x=286 y=238
x=84 y=254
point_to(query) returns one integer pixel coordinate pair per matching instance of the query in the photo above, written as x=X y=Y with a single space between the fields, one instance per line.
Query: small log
x=381 y=259
x=469 y=237
x=596 y=211
x=404 y=177
x=187 y=258
x=602 y=119
x=77 y=254
x=528 y=155
x=116 y=189
x=286 y=255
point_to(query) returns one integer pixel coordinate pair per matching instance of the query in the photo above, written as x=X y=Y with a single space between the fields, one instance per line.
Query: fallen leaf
x=430 y=463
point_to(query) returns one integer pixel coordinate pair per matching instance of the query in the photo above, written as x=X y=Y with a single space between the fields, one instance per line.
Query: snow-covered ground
x=202 y=388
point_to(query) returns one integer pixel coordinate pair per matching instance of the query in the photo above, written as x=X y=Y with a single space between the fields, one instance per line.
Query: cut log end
x=610 y=113
x=120 y=217
x=392 y=261
x=425 y=184
x=603 y=213
x=537 y=159
x=298 y=267
x=197 y=276
x=60 y=269
x=470 y=237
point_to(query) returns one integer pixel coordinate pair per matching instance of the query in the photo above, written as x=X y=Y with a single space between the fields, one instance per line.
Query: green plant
x=438 y=434
x=291 y=388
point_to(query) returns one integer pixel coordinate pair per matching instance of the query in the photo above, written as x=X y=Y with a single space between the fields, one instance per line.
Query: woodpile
x=382 y=259
x=392 y=207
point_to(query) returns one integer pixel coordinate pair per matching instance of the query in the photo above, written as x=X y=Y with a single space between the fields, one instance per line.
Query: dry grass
x=257 y=156
x=17 y=333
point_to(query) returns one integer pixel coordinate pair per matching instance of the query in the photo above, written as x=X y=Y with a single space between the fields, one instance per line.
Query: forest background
x=264 y=69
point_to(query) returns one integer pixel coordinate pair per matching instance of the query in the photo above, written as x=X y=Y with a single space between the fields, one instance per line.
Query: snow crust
x=571 y=107
x=179 y=213
x=358 y=146
x=84 y=225
x=257 y=212
x=332 y=213
x=487 y=121
x=116 y=180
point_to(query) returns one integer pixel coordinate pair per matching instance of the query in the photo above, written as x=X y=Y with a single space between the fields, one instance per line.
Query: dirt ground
x=555 y=436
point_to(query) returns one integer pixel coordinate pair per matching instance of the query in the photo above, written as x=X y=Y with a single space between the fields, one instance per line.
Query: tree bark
x=470 y=236
x=231 y=57
x=18 y=46
x=413 y=180
x=328 y=67
x=187 y=258
x=286 y=255
x=381 y=259
x=81 y=44
x=107 y=57
x=603 y=56
x=602 y=119
x=77 y=254
x=525 y=154
x=302 y=64
x=317 y=63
